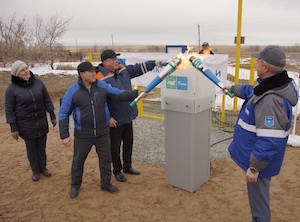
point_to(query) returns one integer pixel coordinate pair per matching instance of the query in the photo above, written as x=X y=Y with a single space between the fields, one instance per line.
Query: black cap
x=85 y=66
x=108 y=54
x=205 y=44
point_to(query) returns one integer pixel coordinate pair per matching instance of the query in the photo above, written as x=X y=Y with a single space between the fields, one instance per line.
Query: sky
x=166 y=22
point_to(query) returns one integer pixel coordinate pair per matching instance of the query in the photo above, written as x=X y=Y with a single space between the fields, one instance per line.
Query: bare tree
x=39 y=42
x=55 y=28
x=48 y=34
x=39 y=31
x=13 y=39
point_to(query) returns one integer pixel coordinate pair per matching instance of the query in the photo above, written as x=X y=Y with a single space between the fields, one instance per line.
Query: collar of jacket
x=105 y=72
x=21 y=82
x=272 y=82
x=80 y=82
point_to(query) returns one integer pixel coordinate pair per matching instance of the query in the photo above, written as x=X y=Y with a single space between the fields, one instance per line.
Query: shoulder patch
x=269 y=121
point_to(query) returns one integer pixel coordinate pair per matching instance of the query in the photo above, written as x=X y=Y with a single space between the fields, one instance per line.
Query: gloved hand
x=54 y=122
x=15 y=135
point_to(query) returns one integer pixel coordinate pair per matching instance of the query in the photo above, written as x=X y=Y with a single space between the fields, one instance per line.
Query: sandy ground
x=146 y=197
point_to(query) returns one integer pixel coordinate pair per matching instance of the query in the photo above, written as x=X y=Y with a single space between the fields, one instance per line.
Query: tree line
x=38 y=42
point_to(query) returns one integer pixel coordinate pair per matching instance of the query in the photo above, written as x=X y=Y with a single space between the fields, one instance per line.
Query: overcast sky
x=166 y=22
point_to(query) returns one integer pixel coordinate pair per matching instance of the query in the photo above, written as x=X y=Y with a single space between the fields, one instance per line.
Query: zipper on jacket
x=94 y=117
x=35 y=107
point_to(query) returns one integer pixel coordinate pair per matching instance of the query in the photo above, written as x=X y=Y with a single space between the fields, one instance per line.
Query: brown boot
x=35 y=177
x=46 y=172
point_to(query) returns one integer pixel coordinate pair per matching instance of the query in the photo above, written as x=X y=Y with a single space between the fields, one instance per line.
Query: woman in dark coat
x=26 y=103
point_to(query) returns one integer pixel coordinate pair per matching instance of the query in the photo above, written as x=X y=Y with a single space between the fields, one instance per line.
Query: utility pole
x=199 y=43
x=112 y=41
x=76 y=46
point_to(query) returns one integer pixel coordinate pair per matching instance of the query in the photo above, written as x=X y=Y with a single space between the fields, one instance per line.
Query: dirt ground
x=146 y=197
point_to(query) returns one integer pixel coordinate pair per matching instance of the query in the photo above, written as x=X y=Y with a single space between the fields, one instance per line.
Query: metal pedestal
x=187 y=142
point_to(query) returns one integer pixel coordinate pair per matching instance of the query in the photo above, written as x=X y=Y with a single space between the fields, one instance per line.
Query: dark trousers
x=259 y=199
x=36 y=153
x=120 y=134
x=82 y=148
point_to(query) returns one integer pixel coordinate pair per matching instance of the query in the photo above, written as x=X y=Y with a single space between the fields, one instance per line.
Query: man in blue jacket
x=87 y=100
x=262 y=128
x=119 y=76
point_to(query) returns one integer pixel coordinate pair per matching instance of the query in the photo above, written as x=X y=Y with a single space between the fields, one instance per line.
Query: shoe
x=46 y=172
x=110 y=189
x=73 y=192
x=35 y=177
x=120 y=177
x=132 y=171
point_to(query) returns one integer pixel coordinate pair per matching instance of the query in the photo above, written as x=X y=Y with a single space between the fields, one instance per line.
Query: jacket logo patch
x=247 y=111
x=269 y=121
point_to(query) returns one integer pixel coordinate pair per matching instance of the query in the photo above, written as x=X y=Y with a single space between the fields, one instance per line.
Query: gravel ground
x=149 y=141
x=149 y=146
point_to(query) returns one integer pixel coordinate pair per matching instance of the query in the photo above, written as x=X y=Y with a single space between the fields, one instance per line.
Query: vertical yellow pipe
x=223 y=109
x=140 y=104
x=90 y=57
x=238 y=49
x=252 y=68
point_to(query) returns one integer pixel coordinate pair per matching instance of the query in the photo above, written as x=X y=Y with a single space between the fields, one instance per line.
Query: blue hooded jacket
x=262 y=128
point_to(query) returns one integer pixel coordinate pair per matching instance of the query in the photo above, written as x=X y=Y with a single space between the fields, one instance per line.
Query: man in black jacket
x=122 y=114
x=87 y=100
